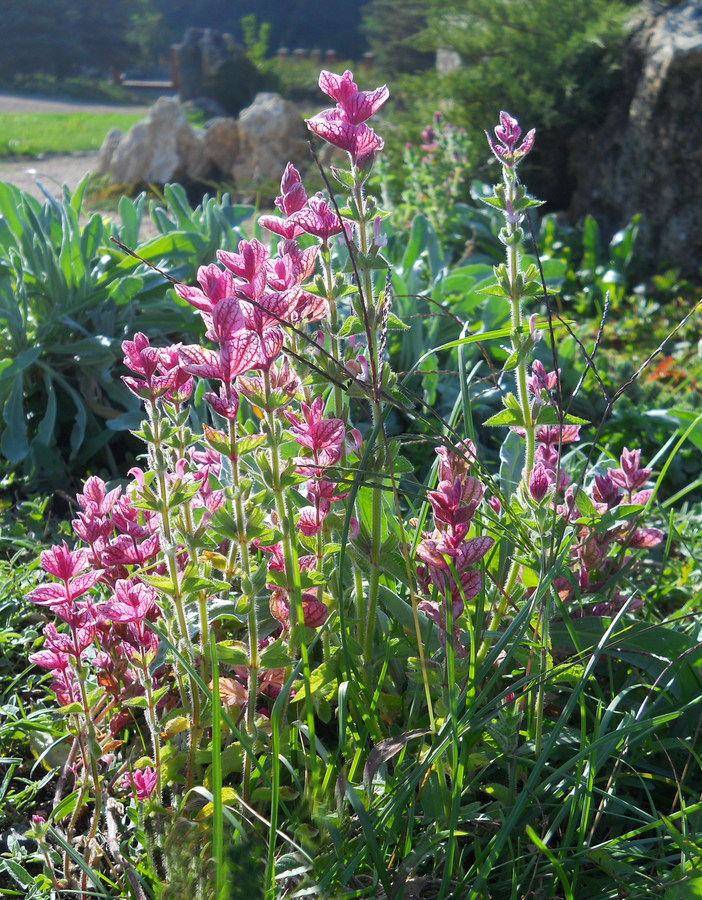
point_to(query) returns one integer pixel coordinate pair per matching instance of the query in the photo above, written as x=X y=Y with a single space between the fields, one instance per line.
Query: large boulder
x=271 y=133
x=107 y=150
x=222 y=143
x=647 y=156
x=161 y=148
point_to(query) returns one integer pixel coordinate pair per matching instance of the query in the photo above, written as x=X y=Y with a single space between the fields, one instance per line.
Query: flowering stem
x=333 y=324
x=292 y=571
x=366 y=288
x=153 y=725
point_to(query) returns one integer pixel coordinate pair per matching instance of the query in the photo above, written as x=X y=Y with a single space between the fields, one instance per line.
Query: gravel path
x=52 y=171
x=11 y=103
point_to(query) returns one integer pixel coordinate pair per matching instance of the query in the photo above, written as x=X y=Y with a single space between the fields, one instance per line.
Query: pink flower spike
x=63 y=563
x=508 y=133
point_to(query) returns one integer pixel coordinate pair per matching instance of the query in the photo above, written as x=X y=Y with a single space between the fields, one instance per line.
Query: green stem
x=292 y=573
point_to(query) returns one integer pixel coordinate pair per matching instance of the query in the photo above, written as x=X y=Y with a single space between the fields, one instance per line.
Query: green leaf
x=507 y=417
x=275 y=656
x=234 y=653
x=343 y=177
x=352 y=325
x=322 y=681
x=396 y=324
x=14 y=443
x=45 y=430
x=22 y=361
x=548 y=415
x=249 y=442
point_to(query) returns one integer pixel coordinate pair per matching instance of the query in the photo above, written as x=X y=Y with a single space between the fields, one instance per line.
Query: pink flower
x=96 y=498
x=315 y=432
x=292 y=199
x=142 y=781
x=142 y=358
x=630 y=476
x=67 y=565
x=248 y=262
x=318 y=219
x=132 y=602
x=352 y=105
x=358 y=141
x=539 y=482
x=344 y=126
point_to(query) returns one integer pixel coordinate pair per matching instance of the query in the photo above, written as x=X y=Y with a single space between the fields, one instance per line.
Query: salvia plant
x=283 y=666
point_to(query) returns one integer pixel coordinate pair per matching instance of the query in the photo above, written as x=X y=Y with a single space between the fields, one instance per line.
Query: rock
x=647 y=157
x=107 y=151
x=271 y=134
x=161 y=148
x=222 y=143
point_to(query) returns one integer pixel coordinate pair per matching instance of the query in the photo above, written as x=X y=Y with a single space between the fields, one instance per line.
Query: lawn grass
x=31 y=134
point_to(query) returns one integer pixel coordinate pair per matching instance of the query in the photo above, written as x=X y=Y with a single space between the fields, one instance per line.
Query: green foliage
x=508 y=55
x=60 y=37
x=390 y=27
x=68 y=298
x=255 y=39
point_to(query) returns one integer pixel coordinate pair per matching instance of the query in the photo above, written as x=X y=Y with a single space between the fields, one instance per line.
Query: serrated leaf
x=351 y=326
x=506 y=417
x=495 y=290
x=249 y=442
x=396 y=324
x=585 y=504
x=343 y=177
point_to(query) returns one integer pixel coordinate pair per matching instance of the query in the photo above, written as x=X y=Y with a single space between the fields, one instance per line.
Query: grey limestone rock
x=647 y=156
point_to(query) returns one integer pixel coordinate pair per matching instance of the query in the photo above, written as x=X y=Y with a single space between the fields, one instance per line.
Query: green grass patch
x=31 y=134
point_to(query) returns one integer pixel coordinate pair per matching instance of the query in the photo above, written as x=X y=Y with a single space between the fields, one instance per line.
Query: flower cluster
x=591 y=560
x=447 y=553
x=108 y=629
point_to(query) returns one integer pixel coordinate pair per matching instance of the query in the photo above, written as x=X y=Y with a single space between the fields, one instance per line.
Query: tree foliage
x=390 y=27
x=63 y=36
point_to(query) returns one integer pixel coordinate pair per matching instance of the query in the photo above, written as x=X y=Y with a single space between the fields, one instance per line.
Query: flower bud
x=539 y=483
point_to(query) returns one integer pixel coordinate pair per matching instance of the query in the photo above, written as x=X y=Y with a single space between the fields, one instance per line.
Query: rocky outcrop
x=159 y=149
x=253 y=149
x=647 y=157
x=271 y=134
